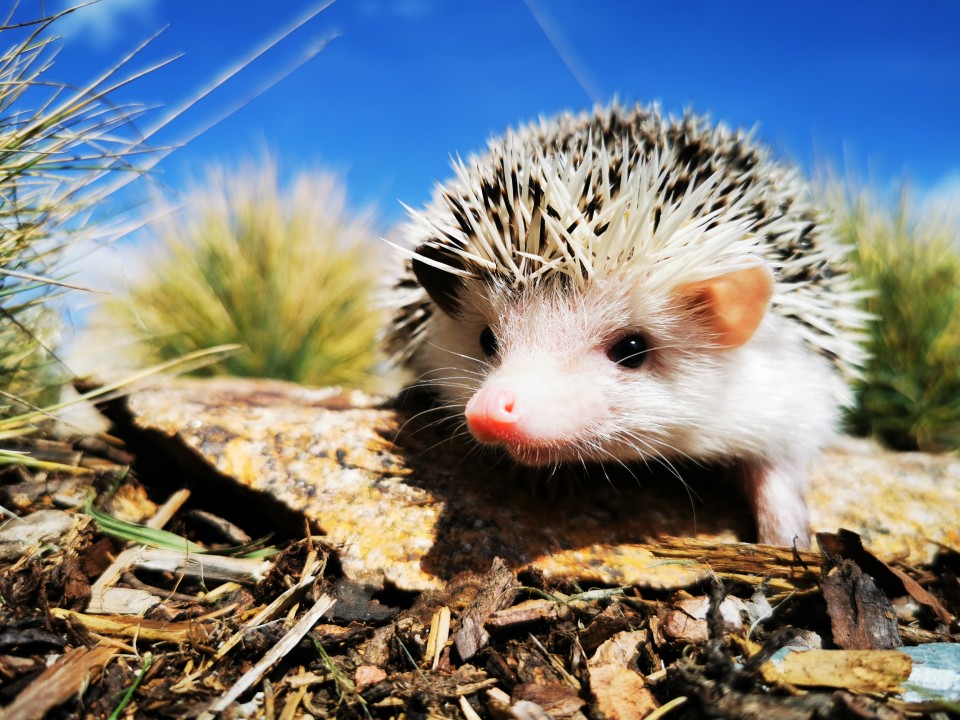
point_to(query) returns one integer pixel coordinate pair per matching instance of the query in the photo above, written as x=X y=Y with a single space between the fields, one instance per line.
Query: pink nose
x=492 y=415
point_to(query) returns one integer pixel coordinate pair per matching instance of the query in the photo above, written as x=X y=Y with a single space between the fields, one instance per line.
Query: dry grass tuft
x=284 y=273
x=910 y=396
x=56 y=142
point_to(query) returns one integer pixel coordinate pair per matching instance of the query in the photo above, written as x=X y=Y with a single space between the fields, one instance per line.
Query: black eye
x=630 y=351
x=488 y=342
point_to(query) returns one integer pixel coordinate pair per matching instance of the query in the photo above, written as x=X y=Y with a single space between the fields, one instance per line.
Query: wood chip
x=439 y=634
x=468 y=712
x=529 y=611
x=617 y=689
x=166 y=511
x=799 y=567
x=499 y=588
x=378 y=649
x=847 y=544
x=854 y=670
x=18 y=535
x=558 y=700
x=61 y=681
x=621 y=649
x=178 y=562
x=230 y=532
x=147 y=630
x=861 y=616
x=123 y=601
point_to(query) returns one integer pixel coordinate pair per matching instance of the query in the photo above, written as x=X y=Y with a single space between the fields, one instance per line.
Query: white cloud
x=104 y=23
x=945 y=194
x=942 y=199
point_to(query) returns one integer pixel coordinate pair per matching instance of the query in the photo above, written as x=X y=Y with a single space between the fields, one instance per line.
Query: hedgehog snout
x=493 y=414
x=530 y=408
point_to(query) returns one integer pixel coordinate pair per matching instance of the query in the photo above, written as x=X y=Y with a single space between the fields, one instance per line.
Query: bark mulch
x=93 y=626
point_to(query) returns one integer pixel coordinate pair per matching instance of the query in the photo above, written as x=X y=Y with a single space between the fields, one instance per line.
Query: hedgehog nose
x=492 y=414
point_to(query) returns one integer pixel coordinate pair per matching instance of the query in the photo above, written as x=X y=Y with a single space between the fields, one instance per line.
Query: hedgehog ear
x=443 y=287
x=732 y=305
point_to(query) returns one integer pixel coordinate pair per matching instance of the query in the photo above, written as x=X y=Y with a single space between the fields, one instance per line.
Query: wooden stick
x=285 y=645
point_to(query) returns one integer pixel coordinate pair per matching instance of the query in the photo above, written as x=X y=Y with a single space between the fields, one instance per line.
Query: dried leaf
x=619 y=693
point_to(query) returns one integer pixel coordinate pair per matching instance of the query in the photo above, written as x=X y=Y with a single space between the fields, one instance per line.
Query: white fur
x=689 y=242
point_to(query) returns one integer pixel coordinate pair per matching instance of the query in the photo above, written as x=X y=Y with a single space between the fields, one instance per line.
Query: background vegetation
x=286 y=273
x=910 y=395
x=57 y=143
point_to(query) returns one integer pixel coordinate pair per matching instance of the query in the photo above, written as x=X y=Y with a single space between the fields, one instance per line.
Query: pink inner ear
x=733 y=304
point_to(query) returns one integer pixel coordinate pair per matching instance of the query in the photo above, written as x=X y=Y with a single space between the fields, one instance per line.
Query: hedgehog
x=622 y=286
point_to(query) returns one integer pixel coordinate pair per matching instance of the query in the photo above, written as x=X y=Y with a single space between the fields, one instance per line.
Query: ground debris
x=787 y=568
x=618 y=690
x=874 y=671
x=707 y=698
x=499 y=587
x=765 y=633
x=20 y=535
x=861 y=616
x=65 y=678
x=894 y=581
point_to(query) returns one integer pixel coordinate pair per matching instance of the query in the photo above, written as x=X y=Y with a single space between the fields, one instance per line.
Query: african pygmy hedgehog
x=617 y=286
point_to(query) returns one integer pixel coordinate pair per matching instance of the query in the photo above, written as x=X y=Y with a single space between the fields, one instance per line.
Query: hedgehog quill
x=621 y=286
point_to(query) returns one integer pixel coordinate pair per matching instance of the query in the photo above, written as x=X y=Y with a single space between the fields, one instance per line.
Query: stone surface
x=411 y=507
x=901 y=504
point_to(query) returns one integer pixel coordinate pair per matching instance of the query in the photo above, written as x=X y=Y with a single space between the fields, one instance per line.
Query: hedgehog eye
x=629 y=351
x=488 y=342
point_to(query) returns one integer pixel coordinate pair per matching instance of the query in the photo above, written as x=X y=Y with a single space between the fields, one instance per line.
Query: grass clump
x=910 y=394
x=57 y=142
x=283 y=273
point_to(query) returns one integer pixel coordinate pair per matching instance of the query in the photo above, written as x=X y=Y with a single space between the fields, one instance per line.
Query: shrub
x=284 y=274
x=910 y=394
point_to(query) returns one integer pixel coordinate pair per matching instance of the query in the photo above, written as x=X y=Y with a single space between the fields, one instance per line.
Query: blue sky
x=870 y=86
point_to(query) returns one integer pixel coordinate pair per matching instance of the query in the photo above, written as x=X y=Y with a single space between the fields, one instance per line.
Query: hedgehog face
x=554 y=375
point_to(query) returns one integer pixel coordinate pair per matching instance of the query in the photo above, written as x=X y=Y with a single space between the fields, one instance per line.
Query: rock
x=902 y=504
x=413 y=508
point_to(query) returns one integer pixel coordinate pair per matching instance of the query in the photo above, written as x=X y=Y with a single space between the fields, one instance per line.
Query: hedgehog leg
x=775 y=492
